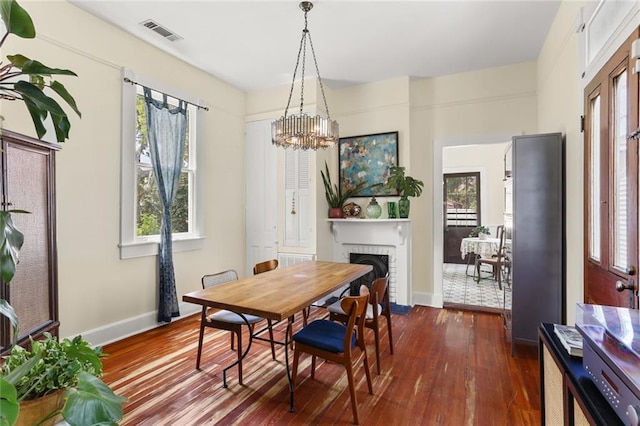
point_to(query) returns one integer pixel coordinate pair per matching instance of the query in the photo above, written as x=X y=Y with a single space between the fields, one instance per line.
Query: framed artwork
x=368 y=158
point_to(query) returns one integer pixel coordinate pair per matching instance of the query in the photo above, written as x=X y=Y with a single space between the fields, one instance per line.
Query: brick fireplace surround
x=391 y=237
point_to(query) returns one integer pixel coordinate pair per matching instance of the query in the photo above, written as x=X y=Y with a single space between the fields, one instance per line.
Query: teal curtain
x=166 y=129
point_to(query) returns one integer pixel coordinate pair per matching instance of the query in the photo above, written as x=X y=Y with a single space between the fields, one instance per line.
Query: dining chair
x=266 y=266
x=377 y=307
x=335 y=342
x=496 y=262
x=225 y=320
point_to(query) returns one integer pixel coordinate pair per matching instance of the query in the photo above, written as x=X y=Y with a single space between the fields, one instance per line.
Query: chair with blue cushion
x=225 y=320
x=335 y=342
x=378 y=306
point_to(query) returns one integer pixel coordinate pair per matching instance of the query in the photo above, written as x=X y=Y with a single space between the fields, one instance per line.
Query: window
x=594 y=182
x=620 y=130
x=140 y=205
x=462 y=197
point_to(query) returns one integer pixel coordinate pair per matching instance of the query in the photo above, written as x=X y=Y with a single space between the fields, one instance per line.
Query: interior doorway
x=454 y=282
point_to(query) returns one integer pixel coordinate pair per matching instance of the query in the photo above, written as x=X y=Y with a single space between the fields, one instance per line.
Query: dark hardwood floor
x=449 y=368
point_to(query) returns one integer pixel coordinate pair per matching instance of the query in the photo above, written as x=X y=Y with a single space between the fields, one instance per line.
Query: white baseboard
x=433 y=300
x=131 y=326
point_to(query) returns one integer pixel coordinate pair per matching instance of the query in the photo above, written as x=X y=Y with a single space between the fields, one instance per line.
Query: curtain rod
x=128 y=80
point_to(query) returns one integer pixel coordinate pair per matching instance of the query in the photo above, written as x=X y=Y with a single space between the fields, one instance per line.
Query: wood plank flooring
x=449 y=368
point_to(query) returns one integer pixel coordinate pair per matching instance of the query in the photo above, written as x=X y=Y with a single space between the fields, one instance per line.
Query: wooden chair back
x=356 y=309
x=266 y=266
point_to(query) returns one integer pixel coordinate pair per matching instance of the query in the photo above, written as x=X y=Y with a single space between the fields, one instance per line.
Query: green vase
x=403 y=207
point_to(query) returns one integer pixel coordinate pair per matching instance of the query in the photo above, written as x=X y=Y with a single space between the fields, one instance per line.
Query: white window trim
x=131 y=247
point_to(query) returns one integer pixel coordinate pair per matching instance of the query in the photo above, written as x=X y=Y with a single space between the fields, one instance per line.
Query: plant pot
x=482 y=236
x=336 y=213
x=33 y=411
x=403 y=207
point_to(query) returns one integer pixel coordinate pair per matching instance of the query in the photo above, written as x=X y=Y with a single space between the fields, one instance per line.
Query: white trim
x=130 y=246
x=438 y=145
x=119 y=330
x=618 y=35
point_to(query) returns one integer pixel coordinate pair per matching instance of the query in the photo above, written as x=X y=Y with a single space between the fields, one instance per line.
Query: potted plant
x=14 y=86
x=56 y=378
x=480 y=231
x=406 y=186
x=334 y=198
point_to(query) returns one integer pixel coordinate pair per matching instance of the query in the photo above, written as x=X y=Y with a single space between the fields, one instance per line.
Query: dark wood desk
x=279 y=295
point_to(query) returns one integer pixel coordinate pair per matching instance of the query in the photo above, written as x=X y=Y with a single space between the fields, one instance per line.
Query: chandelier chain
x=324 y=98
x=295 y=72
x=304 y=61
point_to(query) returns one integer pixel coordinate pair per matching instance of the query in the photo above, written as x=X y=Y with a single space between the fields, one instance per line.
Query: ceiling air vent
x=164 y=32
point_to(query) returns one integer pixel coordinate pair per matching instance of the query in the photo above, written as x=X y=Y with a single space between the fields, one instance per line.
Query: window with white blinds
x=297 y=181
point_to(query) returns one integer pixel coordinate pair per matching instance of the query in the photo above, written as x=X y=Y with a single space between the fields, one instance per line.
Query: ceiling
x=252 y=45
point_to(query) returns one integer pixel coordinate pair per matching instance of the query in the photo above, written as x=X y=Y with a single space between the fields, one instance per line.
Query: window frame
x=131 y=245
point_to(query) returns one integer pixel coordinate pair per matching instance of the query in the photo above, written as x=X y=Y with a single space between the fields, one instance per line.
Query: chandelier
x=301 y=131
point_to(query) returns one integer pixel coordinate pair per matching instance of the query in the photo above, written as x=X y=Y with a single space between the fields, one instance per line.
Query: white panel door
x=261 y=194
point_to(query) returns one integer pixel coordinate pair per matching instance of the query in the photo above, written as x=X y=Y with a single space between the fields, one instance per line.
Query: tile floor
x=459 y=288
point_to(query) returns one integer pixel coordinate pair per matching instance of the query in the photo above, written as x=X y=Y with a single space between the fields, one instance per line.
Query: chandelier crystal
x=302 y=131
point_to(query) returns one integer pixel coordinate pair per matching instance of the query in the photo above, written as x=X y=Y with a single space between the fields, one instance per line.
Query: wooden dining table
x=278 y=295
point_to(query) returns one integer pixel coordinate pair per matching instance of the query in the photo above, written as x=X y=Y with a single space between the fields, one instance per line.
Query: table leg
x=469 y=257
x=286 y=361
x=244 y=354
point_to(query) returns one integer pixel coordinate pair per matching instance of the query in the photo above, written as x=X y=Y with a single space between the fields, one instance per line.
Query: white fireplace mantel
x=378 y=236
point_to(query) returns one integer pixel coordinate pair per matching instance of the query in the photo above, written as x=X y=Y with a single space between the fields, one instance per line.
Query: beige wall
x=96 y=287
x=559 y=110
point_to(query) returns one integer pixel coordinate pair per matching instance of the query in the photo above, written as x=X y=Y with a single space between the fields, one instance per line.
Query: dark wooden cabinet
x=568 y=395
x=535 y=234
x=28 y=183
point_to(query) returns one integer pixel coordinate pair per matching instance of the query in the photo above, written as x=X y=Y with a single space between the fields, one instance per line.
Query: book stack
x=570 y=338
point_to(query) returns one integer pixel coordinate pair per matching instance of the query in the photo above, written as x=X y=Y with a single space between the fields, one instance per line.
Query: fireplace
x=378 y=239
x=380 y=263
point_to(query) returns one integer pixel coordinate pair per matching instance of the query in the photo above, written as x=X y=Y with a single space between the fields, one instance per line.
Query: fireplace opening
x=380 y=263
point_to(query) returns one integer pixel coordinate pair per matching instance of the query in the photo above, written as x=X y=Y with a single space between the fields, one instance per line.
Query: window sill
x=151 y=248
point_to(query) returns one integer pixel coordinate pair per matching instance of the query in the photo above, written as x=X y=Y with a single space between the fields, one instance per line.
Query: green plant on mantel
x=334 y=198
x=406 y=186
x=31 y=91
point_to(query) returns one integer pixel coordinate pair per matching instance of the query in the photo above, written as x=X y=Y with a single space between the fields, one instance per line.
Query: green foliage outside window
x=148 y=205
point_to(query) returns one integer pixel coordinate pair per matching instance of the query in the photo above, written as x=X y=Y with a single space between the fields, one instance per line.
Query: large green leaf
x=31 y=66
x=38 y=97
x=57 y=87
x=16 y=19
x=93 y=402
x=37 y=116
x=11 y=242
x=7 y=310
x=9 y=405
x=39 y=106
x=61 y=125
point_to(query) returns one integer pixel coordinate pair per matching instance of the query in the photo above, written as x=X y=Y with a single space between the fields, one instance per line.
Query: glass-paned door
x=461 y=211
x=611 y=183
